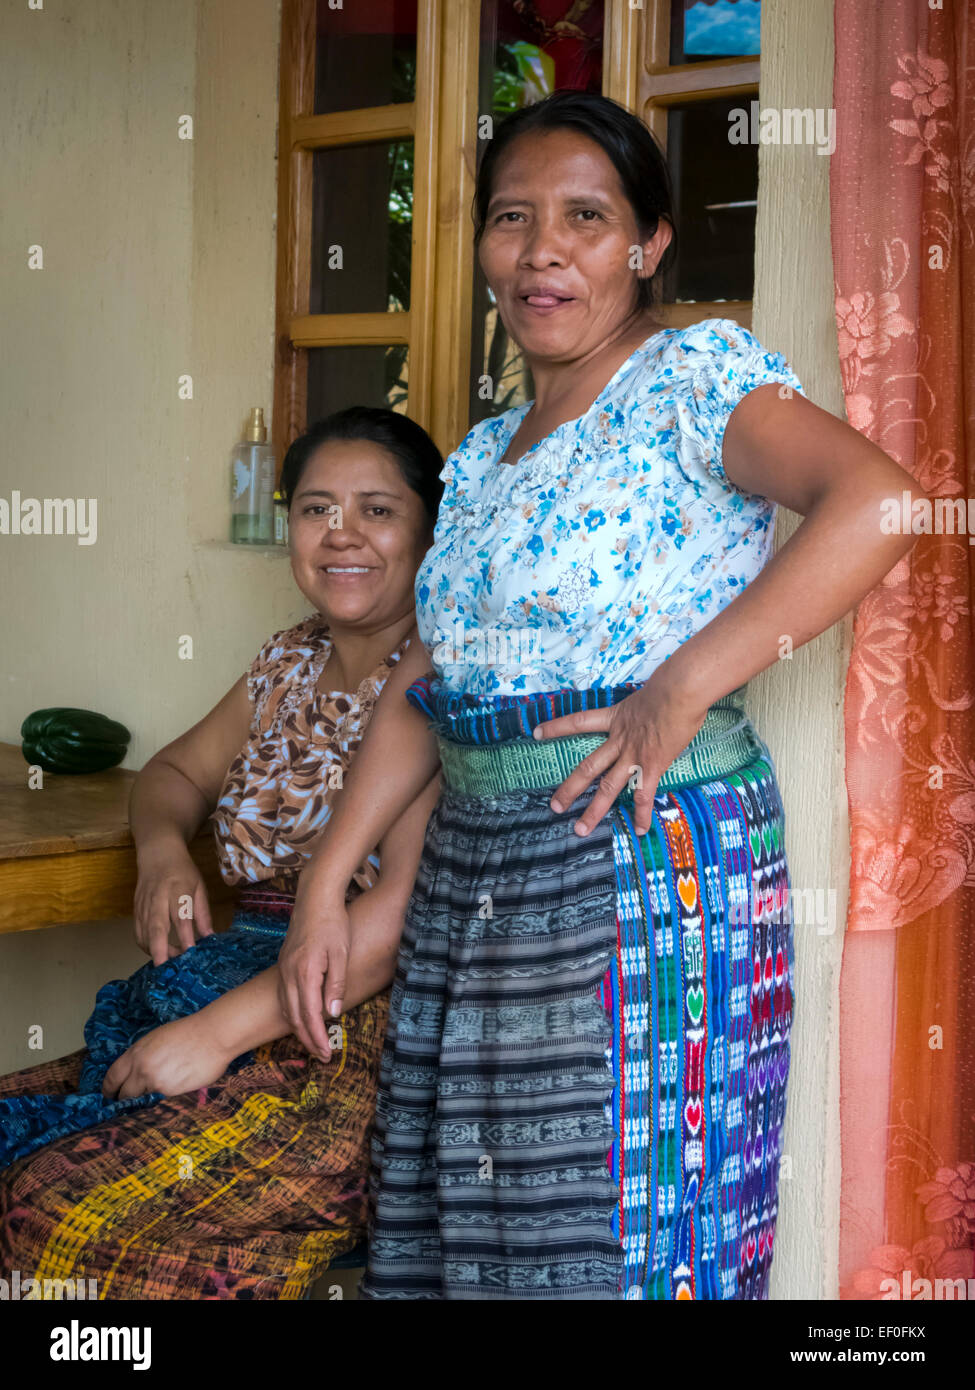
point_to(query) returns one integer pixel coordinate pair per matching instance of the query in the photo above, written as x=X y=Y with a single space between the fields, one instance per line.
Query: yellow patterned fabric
x=246 y=1189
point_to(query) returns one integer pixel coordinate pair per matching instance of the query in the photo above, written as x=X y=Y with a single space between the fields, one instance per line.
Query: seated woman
x=194 y=1148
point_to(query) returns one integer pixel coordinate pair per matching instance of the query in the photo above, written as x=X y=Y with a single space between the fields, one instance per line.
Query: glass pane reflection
x=715 y=191
x=342 y=376
x=365 y=54
x=362 y=228
x=709 y=29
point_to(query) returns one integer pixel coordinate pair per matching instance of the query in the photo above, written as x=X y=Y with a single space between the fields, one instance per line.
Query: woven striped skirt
x=245 y=1189
x=583 y=1083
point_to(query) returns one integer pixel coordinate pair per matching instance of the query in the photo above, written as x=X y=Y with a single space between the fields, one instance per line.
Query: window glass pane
x=528 y=49
x=365 y=54
x=715 y=188
x=362 y=228
x=702 y=29
x=342 y=376
x=503 y=379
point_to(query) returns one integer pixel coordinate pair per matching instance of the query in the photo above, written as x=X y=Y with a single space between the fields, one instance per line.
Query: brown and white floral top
x=278 y=793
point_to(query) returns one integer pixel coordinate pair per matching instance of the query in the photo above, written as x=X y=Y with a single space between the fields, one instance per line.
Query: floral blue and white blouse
x=611 y=541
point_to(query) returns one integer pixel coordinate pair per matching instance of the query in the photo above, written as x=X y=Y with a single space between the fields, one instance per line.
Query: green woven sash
x=725 y=742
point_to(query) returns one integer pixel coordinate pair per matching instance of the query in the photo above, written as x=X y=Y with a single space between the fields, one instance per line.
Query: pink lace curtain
x=902 y=193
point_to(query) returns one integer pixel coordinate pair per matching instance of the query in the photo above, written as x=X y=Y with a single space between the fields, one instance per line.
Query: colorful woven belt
x=726 y=741
x=465 y=718
x=266 y=911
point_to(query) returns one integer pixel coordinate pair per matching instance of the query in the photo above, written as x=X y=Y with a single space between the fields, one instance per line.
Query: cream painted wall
x=158 y=261
x=798 y=704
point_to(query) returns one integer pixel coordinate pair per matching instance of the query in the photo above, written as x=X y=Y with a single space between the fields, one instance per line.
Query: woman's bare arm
x=794 y=452
x=171 y=798
x=784 y=447
x=195 y=1051
x=396 y=761
x=251 y=1014
x=178 y=787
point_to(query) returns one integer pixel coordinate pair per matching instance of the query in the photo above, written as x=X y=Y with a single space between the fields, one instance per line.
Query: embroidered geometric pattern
x=522 y=1148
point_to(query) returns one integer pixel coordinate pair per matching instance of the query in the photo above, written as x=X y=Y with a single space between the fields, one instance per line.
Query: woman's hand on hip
x=170 y=893
x=644 y=734
x=312 y=970
x=175 y=1058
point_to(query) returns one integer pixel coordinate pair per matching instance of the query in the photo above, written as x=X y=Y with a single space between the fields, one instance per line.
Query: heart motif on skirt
x=692 y=1114
x=687 y=890
x=695 y=1002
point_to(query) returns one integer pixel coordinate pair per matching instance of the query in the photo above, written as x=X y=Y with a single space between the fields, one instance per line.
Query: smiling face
x=557 y=246
x=359 y=570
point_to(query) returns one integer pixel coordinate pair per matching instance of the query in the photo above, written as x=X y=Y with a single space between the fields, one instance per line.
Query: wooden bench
x=66 y=852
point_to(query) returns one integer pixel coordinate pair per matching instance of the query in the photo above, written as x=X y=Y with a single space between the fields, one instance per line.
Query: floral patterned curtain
x=902 y=189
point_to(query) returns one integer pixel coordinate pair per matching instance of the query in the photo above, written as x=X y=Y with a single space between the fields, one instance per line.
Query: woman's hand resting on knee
x=175 y=1058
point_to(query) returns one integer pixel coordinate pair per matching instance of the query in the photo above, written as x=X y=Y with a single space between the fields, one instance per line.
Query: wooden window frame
x=660 y=86
x=442 y=122
x=437 y=120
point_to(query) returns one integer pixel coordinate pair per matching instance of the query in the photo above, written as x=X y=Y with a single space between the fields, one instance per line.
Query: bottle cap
x=256 y=428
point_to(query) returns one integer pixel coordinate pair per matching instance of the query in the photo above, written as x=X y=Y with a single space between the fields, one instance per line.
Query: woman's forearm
x=247 y=1016
x=396 y=760
x=250 y=1015
x=834 y=558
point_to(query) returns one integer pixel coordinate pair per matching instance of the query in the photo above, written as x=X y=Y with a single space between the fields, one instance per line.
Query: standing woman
x=583 y=1085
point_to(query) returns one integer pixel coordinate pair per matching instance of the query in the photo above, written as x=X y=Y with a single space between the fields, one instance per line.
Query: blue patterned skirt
x=126 y=1010
x=583 y=1083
